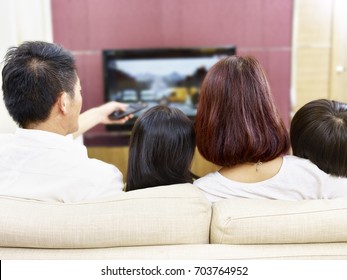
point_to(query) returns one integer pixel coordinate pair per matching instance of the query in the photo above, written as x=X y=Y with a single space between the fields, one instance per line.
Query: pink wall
x=259 y=27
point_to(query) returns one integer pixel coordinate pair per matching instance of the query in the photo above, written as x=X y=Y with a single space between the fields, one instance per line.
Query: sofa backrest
x=176 y=214
x=251 y=221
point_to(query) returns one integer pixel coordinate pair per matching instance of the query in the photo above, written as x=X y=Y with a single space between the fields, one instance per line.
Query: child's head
x=318 y=132
x=161 y=149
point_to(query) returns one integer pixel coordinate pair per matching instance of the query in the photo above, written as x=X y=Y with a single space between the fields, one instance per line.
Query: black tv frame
x=156 y=53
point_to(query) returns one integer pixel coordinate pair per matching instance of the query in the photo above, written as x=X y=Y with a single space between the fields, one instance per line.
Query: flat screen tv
x=171 y=76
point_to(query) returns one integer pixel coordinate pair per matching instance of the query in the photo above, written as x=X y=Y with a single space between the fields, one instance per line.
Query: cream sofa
x=173 y=222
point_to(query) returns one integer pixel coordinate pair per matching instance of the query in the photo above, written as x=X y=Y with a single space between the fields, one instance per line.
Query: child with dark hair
x=318 y=132
x=161 y=150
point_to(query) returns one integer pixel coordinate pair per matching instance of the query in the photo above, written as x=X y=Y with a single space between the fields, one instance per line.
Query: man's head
x=39 y=83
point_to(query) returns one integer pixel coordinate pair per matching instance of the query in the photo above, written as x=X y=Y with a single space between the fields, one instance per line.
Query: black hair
x=162 y=146
x=318 y=132
x=33 y=77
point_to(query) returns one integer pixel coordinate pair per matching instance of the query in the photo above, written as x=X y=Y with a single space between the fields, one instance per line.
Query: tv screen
x=172 y=77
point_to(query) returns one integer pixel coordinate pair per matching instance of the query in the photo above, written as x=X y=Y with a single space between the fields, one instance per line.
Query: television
x=168 y=76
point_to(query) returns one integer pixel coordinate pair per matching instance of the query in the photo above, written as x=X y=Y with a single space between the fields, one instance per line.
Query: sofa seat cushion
x=176 y=214
x=251 y=221
x=320 y=251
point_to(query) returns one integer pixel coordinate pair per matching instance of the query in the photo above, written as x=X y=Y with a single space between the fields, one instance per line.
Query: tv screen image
x=171 y=77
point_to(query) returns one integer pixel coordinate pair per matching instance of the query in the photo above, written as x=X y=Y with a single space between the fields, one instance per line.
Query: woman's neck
x=252 y=172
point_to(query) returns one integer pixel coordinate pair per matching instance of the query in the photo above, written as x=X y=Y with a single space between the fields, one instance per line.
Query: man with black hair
x=42 y=93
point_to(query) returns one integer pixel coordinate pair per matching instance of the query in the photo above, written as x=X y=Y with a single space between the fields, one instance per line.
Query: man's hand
x=99 y=115
x=106 y=109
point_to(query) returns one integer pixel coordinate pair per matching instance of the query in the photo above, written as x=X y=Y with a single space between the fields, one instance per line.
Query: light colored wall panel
x=339 y=52
x=312 y=70
x=312 y=48
x=313 y=18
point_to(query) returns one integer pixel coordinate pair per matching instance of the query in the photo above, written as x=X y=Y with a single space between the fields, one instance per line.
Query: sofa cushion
x=317 y=251
x=176 y=214
x=251 y=221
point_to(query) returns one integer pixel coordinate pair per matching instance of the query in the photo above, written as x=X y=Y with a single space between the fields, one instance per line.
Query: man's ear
x=63 y=102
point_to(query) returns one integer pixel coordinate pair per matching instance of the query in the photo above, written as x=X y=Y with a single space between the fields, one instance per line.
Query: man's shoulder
x=99 y=166
x=103 y=174
x=6 y=136
x=6 y=139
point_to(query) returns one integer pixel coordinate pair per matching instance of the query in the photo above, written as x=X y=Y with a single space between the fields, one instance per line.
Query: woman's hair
x=237 y=120
x=318 y=132
x=161 y=149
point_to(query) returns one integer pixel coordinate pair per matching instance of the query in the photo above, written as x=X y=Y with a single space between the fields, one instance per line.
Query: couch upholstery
x=173 y=222
x=248 y=221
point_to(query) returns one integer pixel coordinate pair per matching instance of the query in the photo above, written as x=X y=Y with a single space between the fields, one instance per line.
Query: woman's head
x=318 y=132
x=237 y=121
x=161 y=149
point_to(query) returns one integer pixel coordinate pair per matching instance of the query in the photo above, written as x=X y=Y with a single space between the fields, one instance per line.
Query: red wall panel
x=259 y=27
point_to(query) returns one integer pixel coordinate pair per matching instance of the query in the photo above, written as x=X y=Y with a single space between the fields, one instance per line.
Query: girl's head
x=237 y=121
x=318 y=132
x=161 y=149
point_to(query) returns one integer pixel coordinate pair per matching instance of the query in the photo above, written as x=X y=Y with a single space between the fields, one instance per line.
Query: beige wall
x=338 y=69
x=319 y=51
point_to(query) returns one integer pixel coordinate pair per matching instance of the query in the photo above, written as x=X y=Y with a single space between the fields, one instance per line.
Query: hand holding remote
x=131 y=109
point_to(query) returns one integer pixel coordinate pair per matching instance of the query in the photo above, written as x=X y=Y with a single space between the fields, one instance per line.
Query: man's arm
x=99 y=115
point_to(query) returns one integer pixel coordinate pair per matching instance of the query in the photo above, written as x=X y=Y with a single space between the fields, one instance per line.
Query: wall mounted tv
x=158 y=76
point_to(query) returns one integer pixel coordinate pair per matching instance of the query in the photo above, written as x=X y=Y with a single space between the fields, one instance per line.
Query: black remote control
x=132 y=108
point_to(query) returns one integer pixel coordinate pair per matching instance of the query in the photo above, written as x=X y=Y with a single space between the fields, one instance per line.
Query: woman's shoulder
x=291 y=161
x=212 y=176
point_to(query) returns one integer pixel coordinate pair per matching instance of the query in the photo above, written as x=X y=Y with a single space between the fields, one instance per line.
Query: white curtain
x=21 y=20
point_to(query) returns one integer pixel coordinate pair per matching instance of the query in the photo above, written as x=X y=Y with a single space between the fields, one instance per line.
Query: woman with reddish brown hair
x=239 y=128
